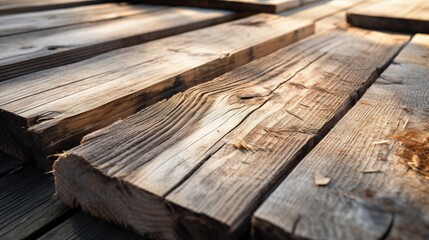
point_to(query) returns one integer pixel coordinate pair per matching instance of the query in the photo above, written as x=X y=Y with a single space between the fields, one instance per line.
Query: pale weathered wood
x=18 y=6
x=51 y=110
x=36 y=21
x=26 y=53
x=27 y=204
x=395 y=15
x=269 y=6
x=372 y=193
x=197 y=165
x=82 y=226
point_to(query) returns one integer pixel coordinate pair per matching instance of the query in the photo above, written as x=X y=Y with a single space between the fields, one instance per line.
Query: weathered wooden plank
x=18 y=6
x=9 y=165
x=268 y=6
x=26 y=53
x=36 y=21
x=395 y=15
x=372 y=194
x=51 y=110
x=197 y=165
x=82 y=226
x=27 y=204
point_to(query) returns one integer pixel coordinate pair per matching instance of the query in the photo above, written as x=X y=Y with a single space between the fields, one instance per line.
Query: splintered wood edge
x=78 y=184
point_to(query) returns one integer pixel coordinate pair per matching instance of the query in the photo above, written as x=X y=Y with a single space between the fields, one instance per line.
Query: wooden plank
x=36 y=21
x=268 y=6
x=372 y=193
x=197 y=165
x=27 y=204
x=394 y=15
x=18 y=6
x=26 y=53
x=82 y=226
x=9 y=165
x=51 y=110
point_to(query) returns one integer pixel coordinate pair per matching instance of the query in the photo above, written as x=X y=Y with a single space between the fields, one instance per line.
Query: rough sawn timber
x=393 y=15
x=197 y=165
x=372 y=193
x=26 y=53
x=18 y=6
x=51 y=110
x=36 y=21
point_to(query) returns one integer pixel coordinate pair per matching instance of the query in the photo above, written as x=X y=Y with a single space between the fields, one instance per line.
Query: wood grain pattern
x=19 y=6
x=394 y=15
x=268 y=6
x=27 y=204
x=372 y=193
x=27 y=53
x=82 y=226
x=51 y=110
x=36 y=21
x=197 y=165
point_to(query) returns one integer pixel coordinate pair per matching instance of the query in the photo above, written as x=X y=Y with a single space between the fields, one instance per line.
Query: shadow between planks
x=199 y=164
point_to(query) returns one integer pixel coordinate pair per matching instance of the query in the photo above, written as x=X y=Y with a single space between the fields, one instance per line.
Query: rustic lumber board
x=394 y=15
x=36 y=21
x=26 y=53
x=51 y=110
x=9 y=165
x=27 y=204
x=18 y=6
x=82 y=226
x=198 y=164
x=372 y=193
x=268 y=6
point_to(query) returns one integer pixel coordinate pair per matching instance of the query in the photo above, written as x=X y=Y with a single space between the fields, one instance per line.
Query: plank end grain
x=210 y=155
x=378 y=189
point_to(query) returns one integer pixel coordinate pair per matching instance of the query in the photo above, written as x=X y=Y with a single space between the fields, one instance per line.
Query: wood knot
x=46 y=116
x=253 y=23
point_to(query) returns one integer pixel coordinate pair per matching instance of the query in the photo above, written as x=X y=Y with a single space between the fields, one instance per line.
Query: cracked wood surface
x=36 y=21
x=51 y=110
x=372 y=193
x=394 y=15
x=19 y=6
x=198 y=164
x=30 y=52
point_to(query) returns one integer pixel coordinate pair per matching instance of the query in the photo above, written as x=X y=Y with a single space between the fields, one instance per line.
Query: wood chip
x=242 y=145
x=321 y=180
x=381 y=142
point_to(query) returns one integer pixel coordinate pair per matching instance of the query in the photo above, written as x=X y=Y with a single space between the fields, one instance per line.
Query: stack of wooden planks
x=51 y=110
x=198 y=165
x=394 y=15
x=246 y=125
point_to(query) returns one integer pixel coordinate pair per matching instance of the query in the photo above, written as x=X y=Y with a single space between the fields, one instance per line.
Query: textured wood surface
x=51 y=110
x=373 y=194
x=26 y=53
x=82 y=226
x=269 y=6
x=197 y=165
x=36 y=21
x=18 y=6
x=394 y=15
x=27 y=204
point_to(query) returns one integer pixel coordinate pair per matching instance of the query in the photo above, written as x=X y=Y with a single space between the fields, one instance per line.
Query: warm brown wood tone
x=18 y=6
x=36 y=21
x=269 y=6
x=372 y=194
x=26 y=53
x=197 y=165
x=51 y=110
x=395 y=15
x=27 y=204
